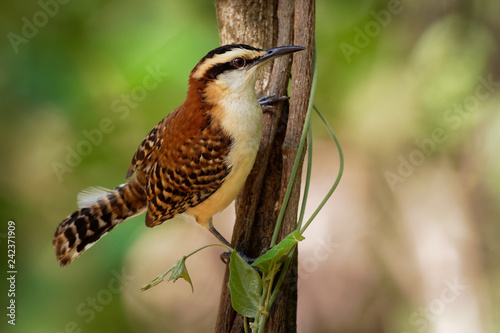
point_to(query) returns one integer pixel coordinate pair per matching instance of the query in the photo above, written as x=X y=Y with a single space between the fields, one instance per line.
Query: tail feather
x=83 y=228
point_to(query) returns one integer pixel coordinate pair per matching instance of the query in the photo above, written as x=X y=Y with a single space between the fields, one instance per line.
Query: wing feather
x=182 y=161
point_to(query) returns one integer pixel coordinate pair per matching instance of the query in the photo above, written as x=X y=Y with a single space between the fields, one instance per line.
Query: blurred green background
x=411 y=89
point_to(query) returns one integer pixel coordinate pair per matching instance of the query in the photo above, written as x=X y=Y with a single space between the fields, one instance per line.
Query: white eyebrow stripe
x=223 y=58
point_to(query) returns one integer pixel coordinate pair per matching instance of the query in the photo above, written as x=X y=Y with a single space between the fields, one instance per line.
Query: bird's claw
x=266 y=101
x=264 y=250
x=226 y=256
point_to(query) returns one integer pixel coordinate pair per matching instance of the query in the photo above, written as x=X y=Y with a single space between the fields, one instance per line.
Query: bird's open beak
x=277 y=52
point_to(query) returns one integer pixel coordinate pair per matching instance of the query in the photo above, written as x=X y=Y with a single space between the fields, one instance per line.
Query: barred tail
x=99 y=215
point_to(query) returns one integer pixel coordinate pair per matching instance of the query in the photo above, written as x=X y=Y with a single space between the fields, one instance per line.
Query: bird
x=195 y=161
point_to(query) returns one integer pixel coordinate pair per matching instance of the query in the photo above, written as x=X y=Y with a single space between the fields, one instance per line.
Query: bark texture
x=266 y=24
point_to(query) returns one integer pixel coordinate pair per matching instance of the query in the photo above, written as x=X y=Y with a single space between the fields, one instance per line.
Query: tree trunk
x=266 y=24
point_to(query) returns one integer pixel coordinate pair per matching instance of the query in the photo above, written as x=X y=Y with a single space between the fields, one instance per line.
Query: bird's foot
x=264 y=250
x=267 y=101
x=225 y=257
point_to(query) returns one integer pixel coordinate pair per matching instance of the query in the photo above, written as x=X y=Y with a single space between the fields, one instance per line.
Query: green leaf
x=245 y=285
x=274 y=256
x=178 y=270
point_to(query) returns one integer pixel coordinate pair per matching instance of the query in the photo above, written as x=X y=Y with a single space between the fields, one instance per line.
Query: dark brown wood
x=268 y=24
x=282 y=319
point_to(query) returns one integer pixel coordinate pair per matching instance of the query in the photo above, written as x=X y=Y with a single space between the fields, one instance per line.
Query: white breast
x=241 y=118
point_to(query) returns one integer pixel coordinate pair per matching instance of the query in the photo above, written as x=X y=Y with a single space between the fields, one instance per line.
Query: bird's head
x=233 y=69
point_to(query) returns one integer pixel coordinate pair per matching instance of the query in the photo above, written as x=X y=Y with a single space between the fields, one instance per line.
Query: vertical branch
x=241 y=22
x=267 y=24
x=302 y=75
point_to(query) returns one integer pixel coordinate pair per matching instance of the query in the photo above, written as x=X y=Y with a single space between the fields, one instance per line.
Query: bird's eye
x=239 y=62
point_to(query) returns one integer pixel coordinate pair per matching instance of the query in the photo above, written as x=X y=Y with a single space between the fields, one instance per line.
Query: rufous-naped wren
x=194 y=161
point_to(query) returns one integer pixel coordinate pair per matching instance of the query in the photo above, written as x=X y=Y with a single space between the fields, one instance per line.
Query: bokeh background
x=408 y=242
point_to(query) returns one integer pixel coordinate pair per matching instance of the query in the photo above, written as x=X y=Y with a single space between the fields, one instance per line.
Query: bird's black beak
x=277 y=52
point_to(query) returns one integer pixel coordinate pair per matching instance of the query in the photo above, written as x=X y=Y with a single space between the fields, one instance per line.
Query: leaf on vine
x=178 y=271
x=245 y=285
x=275 y=255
